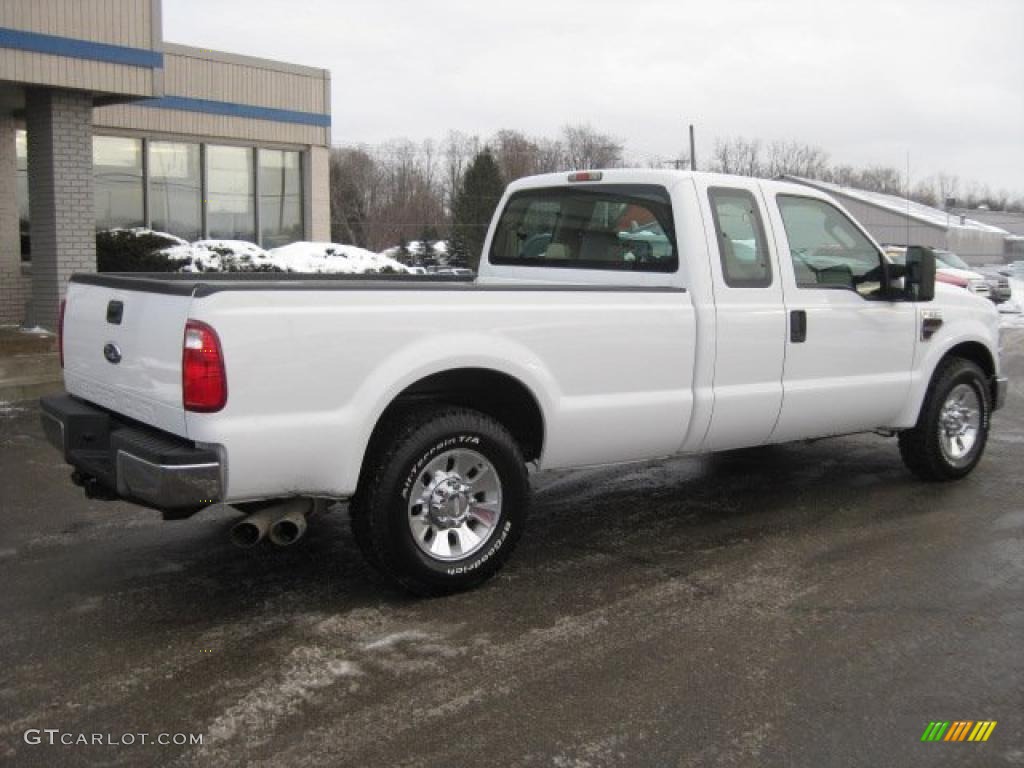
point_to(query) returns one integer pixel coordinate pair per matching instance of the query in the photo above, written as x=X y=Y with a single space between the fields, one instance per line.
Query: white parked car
x=950 y=269
x=618 y=316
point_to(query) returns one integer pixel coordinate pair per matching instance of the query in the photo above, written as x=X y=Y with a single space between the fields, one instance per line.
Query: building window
x=280 y=197
x=21 y=149
x=117 y=168
x=175 y=189
x=230 y=193
x=172 y=177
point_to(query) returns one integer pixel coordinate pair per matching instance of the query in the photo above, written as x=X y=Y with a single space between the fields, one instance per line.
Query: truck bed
x=200 y=285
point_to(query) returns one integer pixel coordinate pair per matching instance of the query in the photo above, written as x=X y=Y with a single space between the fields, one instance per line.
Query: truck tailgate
x=122 y=351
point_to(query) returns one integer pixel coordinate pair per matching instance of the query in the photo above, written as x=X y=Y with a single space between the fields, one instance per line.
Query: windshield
x=950 y=259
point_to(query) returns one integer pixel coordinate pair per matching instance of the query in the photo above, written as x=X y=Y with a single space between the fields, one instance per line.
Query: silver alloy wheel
x=455 y=505
x=959 y=423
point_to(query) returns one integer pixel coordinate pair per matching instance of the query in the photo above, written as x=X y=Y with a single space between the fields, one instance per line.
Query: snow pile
x=301 y=257
x=221 y=256
x=332 y=258
x=1012 y=311
x=138 y=232
x=416 y=248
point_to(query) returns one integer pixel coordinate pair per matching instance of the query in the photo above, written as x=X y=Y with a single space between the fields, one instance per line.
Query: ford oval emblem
x=112 y=353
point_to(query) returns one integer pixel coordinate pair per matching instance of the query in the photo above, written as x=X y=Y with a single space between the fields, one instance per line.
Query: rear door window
x=612 y=227
x=741 y=241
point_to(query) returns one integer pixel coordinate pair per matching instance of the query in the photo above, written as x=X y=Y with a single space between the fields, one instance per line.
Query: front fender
x=960 y=326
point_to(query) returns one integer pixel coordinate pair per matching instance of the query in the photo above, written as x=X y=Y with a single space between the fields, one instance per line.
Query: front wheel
x=442 y=502
x=952 y=429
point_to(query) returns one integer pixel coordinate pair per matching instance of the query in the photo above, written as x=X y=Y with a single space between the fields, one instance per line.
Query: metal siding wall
x=976 y=246
x=890 y=227
x=193 y=76
x=116 y=22
x=197 y=124
x=79 y=74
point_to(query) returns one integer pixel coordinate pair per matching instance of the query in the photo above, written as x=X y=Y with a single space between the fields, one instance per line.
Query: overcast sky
x=867 y=81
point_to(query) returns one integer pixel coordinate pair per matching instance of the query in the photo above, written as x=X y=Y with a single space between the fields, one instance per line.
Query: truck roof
x=661 y=176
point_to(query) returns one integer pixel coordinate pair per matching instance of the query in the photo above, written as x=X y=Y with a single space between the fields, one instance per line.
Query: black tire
x=394 y=473
x=922 y=448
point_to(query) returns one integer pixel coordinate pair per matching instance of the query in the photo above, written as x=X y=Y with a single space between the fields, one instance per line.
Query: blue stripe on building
x=79 y=49
x=229 y=109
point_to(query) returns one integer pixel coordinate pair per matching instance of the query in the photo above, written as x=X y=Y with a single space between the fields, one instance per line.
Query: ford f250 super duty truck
x=618 y=316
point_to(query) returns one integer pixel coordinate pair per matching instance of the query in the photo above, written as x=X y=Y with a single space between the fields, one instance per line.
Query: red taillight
x=204 y=385
x=60 y=331
x=585 y=176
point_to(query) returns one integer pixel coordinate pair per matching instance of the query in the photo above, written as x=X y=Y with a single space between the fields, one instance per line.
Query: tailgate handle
x=115 y=311
x=798 y=326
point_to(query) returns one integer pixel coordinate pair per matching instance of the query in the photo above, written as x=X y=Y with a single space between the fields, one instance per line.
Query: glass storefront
x=176 y=189
x=230 y=193
x=166 y=193
x=280 y=197
x=117 y=170
x=21 y=150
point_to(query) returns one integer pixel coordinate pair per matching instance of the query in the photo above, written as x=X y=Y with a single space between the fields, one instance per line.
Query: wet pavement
x=803 y=605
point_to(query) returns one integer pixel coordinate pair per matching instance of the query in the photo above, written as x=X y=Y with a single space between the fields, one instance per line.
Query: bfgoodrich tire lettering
x=442 y=501
x=952 y=429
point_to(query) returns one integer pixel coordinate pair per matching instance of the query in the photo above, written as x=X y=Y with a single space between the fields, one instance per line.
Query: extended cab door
x=849 y=351
x=750 y=318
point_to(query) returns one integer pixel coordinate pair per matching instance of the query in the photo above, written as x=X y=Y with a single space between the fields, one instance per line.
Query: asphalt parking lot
x=804 y=605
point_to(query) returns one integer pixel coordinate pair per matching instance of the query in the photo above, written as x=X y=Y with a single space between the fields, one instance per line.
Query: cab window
x=827 y=249
x=742 y=245
x=610 y=227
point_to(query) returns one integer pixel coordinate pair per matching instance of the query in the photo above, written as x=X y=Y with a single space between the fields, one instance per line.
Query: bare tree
x=515 y=153
x=586 y=148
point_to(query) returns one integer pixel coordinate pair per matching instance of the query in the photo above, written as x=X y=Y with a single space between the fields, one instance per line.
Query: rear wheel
x=952 y=429
x=442 y=502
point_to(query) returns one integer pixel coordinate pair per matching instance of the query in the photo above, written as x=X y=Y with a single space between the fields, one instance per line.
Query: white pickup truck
x=618 y=316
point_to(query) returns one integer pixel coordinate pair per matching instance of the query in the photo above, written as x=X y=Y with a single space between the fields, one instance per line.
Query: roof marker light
x=585 y=176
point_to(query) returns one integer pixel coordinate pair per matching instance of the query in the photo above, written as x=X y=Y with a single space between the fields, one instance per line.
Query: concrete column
x=317 y=191
x=12 y=284
x=60 y=189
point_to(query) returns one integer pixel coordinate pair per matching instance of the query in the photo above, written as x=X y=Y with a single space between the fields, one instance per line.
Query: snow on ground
x=9 y=409
x=1012 y=311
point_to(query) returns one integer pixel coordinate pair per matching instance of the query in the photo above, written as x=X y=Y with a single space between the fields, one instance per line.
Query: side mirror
x=919 y=283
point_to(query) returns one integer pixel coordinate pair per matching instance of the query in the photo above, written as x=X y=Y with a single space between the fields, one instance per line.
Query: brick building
x=104 y=125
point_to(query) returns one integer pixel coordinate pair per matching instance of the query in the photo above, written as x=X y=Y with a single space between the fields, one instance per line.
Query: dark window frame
x=732 y=282
x=650 y=196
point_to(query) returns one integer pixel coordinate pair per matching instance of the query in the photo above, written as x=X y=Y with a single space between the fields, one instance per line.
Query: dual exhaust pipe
x=284 y=523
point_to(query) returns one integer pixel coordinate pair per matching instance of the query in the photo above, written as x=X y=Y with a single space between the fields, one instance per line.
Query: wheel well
x=977 y=353
x=500 y=396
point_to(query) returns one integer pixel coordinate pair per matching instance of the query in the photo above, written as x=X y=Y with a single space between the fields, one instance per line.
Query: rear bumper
x=999 y=386
x=114 y=458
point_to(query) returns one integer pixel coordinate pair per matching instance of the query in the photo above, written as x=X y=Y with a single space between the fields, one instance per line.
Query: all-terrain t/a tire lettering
x=443 y=500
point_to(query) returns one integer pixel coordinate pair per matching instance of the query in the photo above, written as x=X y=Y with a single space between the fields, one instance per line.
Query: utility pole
x=693 y=151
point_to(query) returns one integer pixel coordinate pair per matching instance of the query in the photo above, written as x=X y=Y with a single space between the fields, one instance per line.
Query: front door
x=849 y=351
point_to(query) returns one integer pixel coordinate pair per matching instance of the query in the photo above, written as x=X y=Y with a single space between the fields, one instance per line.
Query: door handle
x=798 y=326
